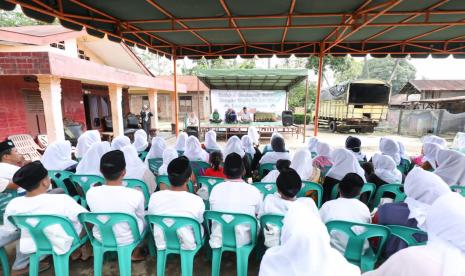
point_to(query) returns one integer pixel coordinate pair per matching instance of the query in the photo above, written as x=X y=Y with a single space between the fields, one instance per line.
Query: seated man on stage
x=192 y=125
x=230 y=116
x=246 y=117
x=215 y=117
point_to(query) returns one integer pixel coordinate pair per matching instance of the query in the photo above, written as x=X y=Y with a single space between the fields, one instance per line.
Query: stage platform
x=264 y=128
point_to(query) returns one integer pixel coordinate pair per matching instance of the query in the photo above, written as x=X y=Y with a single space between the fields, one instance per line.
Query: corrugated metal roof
x=436 y=85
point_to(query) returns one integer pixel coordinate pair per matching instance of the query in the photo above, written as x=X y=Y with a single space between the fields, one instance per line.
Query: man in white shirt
x=33 y=177
x=245 y=116
x=279 y=151
x=234 y=196
x=114 y=197
x=347 y=207
x=10 y=160
x=177 y=201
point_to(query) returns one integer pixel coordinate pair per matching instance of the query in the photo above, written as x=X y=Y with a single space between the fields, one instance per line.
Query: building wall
x=72 y=101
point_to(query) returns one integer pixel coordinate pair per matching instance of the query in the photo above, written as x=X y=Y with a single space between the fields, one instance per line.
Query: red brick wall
x=24 y=63
x=72 y=103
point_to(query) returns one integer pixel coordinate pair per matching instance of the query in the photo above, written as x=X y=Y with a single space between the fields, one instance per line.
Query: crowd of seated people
x=303 y=246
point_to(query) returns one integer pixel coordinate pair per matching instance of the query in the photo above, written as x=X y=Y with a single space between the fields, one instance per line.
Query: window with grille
x=60 y=45
x=185 y=103
x=82 y=55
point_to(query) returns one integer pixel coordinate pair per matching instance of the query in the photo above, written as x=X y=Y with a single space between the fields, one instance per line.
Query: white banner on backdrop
x=260 y=100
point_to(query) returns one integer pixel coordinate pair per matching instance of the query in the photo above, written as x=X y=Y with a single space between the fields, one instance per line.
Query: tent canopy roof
x=227 y=28
x=252 y=79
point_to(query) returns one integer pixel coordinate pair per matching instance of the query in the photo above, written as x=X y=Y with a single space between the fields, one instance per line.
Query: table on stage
x=264 y=128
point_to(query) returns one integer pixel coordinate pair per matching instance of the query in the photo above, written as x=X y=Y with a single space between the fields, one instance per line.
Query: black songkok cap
x=29 y=176
x=353 y=144
x=179 y=170
x=6 y=145
x=233 y=166
x=112 y=162
x=289 y=182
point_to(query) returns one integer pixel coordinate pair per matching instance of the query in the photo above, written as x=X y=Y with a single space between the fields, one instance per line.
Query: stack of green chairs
x=170 y=225
x=155 y=164
x=43 y=245
x=82 y=184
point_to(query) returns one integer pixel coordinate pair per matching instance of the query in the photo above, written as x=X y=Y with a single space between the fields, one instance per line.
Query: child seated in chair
x=114 y=197
x=177 y=201
x=347 y=207
x=33 y=177
x=215 y=170
x=288 y=185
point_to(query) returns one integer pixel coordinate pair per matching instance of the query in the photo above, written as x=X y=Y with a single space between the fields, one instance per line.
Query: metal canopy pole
x=175 y=95
x=318 y=90
x=198 y=101
x=305 y=106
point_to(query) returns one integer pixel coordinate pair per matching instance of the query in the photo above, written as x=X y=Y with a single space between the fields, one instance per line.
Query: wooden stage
x=264 y=128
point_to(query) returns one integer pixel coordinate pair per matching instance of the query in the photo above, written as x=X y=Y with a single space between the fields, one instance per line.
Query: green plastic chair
x=265 y=168
x=105 y=223
x=197 y=166
x=266 y=188
x=459 y=189
x=407 y=234
x=369 y=188
x=141 y=186
x=180 y=153
x=272 y=219
x=4 y=262
x=173 y=245
x=354 y=250
x=43 y=244
x=142 y=155
x=5 y=198
x=83 y=183
x=165 y=180
x=311 y=186
x=229 y=239
x=208 y=182
x=396 y=189
x=155 y=164
x=59 y=177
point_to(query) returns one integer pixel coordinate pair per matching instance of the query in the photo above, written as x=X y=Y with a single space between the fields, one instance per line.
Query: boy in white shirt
x=177 y=201
x=114 y=197
x=347 y=207
x=33 y=177
x=288 y=184
x=234 y=196
x=10 y=161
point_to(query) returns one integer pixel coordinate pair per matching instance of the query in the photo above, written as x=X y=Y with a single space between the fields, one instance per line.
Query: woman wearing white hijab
x=302 y=164
x=344 y=162
x=156 y=149
x=85 y=141
x=181 y=143
x=385 y=169
x=305 y=248
x=451 y=167
x=247 y=145
x=233 y=145
x=90 y=163
x=210 y=141
x=253 y=133
x=169 y=154
x=118 y=143
x=390 y=147
x=194 y=151
x=459 y=142
x=135 y=168
x=422 y=189
x=430 y=152
x=57 y=156
x=312 y=146
x=435 y=140
x=444 y=253
x=140 y=140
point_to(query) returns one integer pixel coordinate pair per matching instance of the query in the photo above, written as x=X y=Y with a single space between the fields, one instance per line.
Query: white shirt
x=234 y=197
x=348 y=209
x=6 y=174
x=273 y=157
x=177 y=203
x=246 y=117
x=45 y=204
x=271 y=177
x=120 y=199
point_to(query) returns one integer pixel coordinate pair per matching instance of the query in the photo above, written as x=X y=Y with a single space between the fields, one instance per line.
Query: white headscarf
x=57 y=156
x=90 y=163
x=312 y=144
x=402 y=152
x=247 y=145
x=445 y=223
x=430 y=152
x=422 y=189
x=194 y=151
x=135 y=167
x=233 y=145
x=435 y=140
x=85 y=141
x=323 y=149
x=210 y=141
x=390 y=147
x=305 y=248
x=169 y=154
x=459 y=141
x=302 y=164
x=156 y=149
x=140 y=140
x=253 y=133
x=451 y=167
x=181 y=142
x=344 y=162
x=118 y=143
x=386 y=169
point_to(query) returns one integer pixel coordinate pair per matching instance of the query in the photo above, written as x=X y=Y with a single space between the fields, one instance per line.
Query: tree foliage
x=16 y=18
x=297 y=95
x=381 y=68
